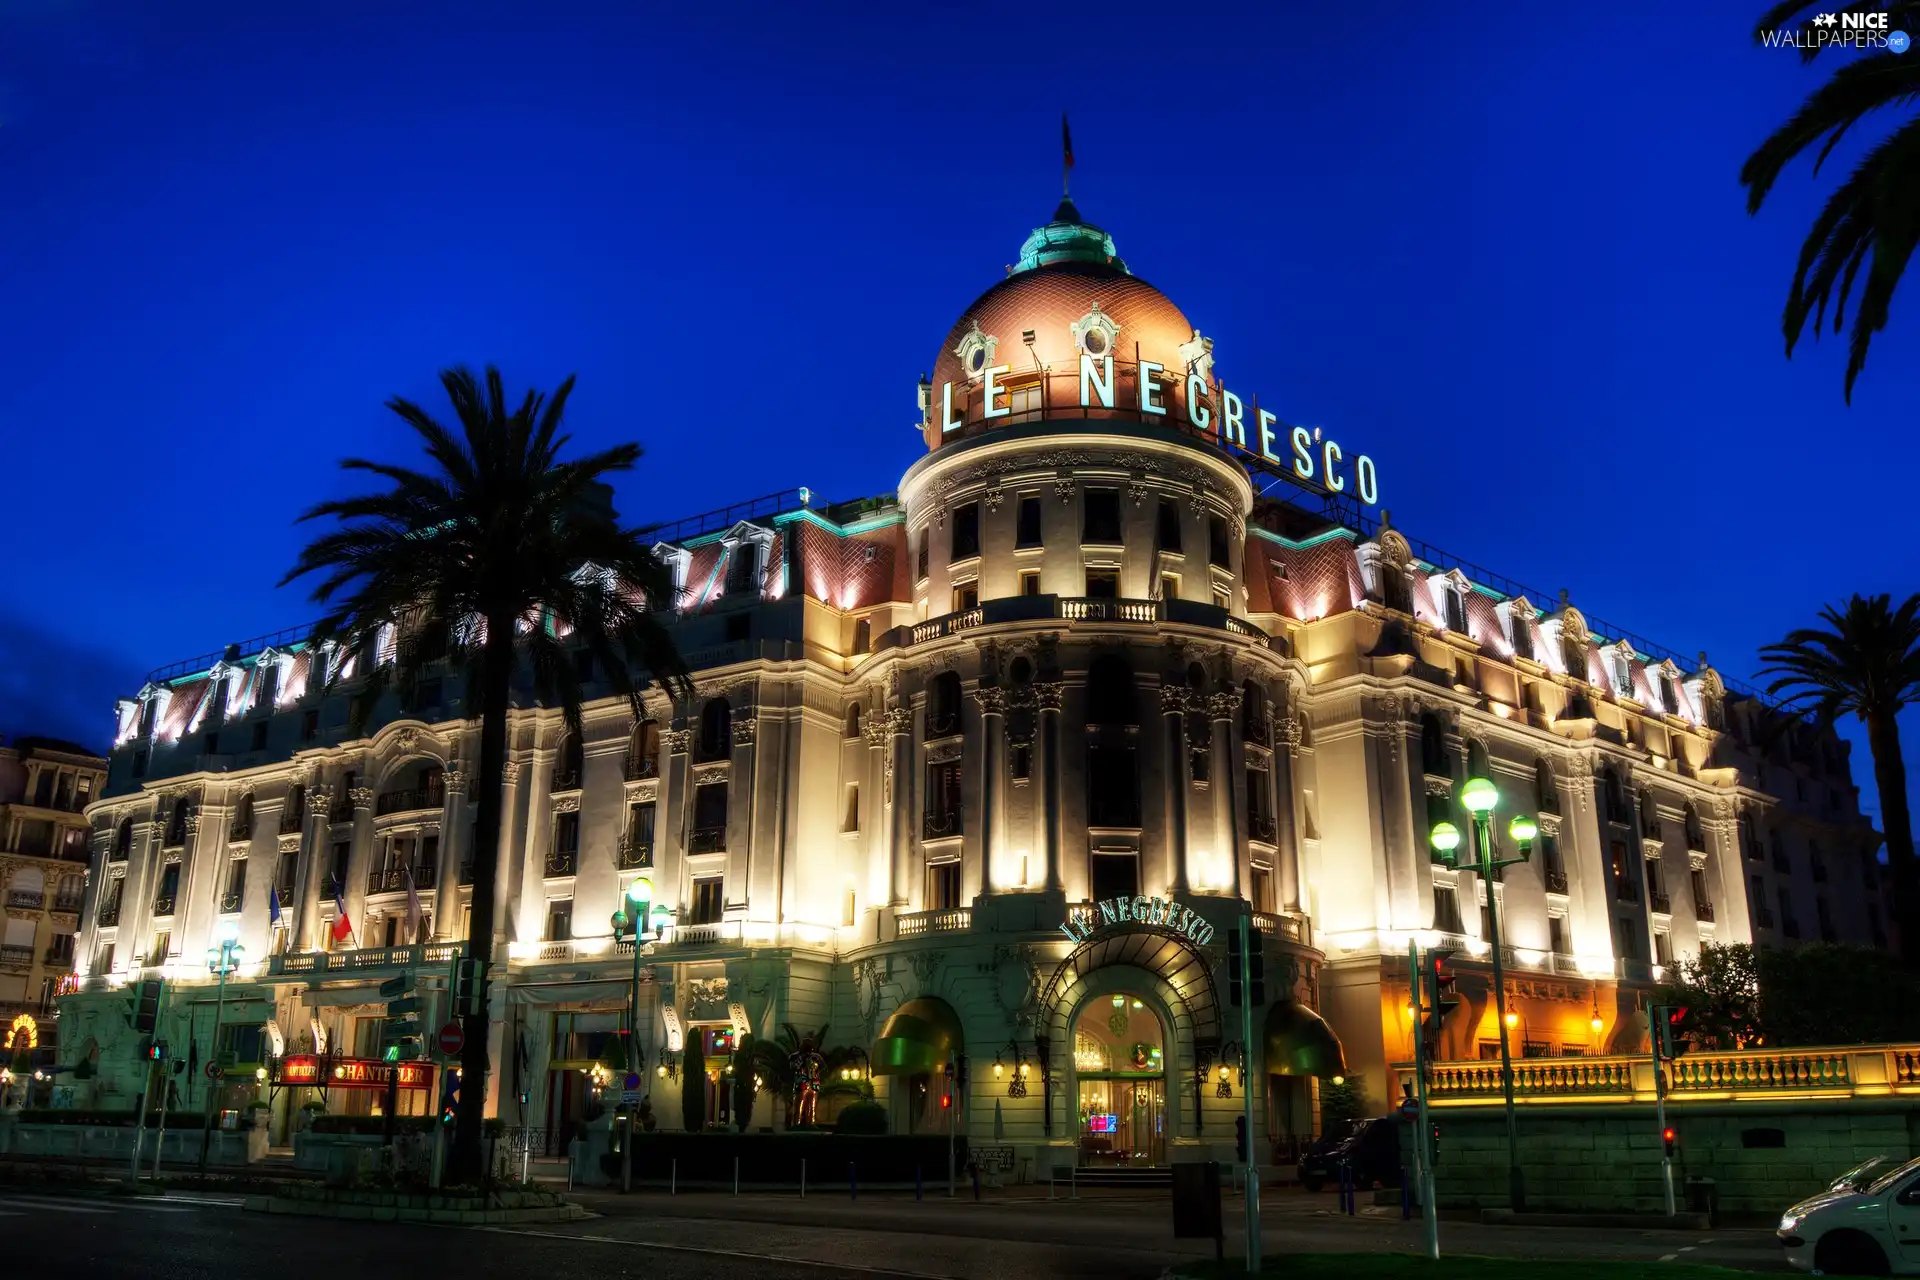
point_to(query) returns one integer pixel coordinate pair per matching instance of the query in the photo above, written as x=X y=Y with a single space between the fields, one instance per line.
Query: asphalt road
x=1116 y=1236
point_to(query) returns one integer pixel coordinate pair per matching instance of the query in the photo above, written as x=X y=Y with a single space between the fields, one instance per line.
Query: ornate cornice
x=453 y=780
x=568 y=802
x=361 y=797
x=993 y=701
x=874 y=730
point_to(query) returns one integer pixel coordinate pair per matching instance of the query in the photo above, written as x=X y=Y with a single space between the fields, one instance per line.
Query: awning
x=917 y=1038
x=1300 y=1043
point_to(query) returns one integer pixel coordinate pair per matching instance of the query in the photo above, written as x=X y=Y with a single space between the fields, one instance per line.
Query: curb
x=1678 y=1222
x=408 y=1213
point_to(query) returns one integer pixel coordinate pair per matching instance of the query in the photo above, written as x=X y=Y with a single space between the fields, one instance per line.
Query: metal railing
x=939 y=824
x=637 y=766
x=16 y=957
x=229 y=902
x=632 y=853
x=1660 y=904
x=409 y=799
x=1070 y=609
x=284 y=892
x=109 y=915
x=1556 y=880
x=363 y=958
x=563 y=862
x=32 y=899
x=913 y=924
x=1260 y=827
x=68 y=904
x=394 y=879
x=163 y=905
x=1703 y=911
x=708 y=840
x=283 y=638
x=290 y=819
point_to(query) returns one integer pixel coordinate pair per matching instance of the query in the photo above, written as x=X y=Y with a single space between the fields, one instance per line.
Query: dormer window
x=1517 y=617
x=743 y=568
x=1620 y=668
x=748 y=548
x=677 y=560
x=1450 y=590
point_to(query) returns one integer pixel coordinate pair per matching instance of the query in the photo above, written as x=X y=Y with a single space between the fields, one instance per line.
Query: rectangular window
x=1114 y=874
x=1629 y=939
x=709 y=902
x=336 y=885
x=1622 y=869
x=1222 y=598
x=920 y=556
x=943 y=799
x=259 y=742
x=106 y=960
x=1113 y=786
x=1027 y=530
x=1446 y=909
x=157 y=953
x=140 y=762
x=966 y=531
x=1557 y=935
x=1020 y=761
x=309 y=724
x=1169 y=586
x=1100 y=516
x=1262 y=888
x=566 y=834
x=1697 y=881
x=210 y=743
x=709 y=817
x=1662 y=947
x=1029 y=582
x=943 y=886
x=1168 y=529
x=236 y=884
x=1522 y=635
x=1103 y=584
x=640 y=824
x=560 y=920
x=850 y=813
x=743 y=568
x=1219 y=554
x=1456 y=610
x=966 y=596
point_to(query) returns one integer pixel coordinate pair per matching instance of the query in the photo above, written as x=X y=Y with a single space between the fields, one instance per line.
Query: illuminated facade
x=985 y=772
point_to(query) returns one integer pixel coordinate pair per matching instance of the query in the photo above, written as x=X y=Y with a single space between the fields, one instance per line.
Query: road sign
x=398 y=1028
x=400 y=1008
x=215 y=1071
x=397 y=986
x=633 y=1080
x=451 y=1039
x=630 y=1098
x=1410 y=1109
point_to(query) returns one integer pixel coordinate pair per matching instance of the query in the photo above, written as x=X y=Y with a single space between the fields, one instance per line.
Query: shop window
x=1119 y=1067
x=1027 y=523
x=709 y=902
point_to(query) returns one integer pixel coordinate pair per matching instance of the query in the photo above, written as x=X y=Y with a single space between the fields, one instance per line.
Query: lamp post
x=1480 y=798
x=223 y=957
x=631 y=917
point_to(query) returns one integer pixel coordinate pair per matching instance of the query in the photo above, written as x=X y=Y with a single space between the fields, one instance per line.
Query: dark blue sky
x=1502 y=250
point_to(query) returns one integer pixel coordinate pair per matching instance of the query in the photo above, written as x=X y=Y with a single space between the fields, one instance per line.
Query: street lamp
x=223 y=957
x=1480 y=798
x=631 y=917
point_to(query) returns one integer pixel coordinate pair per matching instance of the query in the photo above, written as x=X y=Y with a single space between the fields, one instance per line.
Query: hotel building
x=983 y=774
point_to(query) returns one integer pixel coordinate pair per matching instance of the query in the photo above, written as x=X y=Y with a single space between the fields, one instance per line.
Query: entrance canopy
x=917 y=1038
x=1300 y=1043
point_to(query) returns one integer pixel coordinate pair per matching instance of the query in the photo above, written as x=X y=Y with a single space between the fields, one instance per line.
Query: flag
x=413 y=909
x=273 y=907
x=342 y=927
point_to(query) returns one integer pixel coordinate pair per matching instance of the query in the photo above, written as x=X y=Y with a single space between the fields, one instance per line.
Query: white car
x=1858 y=1227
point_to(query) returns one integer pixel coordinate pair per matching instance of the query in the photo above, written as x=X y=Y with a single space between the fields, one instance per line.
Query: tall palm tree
x=1867 y=663
x=1873 y=218
x=498 y=552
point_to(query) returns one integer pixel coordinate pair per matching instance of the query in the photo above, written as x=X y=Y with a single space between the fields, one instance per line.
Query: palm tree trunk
x=467 y=1163
x=1890 y=775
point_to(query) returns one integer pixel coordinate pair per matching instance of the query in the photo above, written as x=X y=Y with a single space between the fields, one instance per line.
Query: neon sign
x=1113 y=912
x=352 y=1073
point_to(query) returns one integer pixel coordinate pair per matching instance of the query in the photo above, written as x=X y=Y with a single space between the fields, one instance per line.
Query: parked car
x=1372 y=1150
x=1858 y=1228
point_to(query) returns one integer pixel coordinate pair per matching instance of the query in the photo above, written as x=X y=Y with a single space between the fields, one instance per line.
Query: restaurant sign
x=1111 y=913
x=351 y=1073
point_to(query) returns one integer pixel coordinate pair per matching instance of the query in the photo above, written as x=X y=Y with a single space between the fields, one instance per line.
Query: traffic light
x=471 y=993
x=1246 y=974
x=146 y=1006
x=1436 y=1146
x=1441 y=999
x=449 y=1095
x=1256 y=970
x=1667 y=1136
x=1678 y=1028
x=1240 y=1139
x=156 y=1050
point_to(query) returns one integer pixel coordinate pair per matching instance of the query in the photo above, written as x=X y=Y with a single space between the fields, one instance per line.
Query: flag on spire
x=1066 y=154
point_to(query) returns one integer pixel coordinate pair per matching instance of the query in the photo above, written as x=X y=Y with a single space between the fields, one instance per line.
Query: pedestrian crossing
x=15 y=1206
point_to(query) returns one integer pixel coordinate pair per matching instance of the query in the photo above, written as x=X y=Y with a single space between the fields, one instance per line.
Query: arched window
x=242 y=826
x=1478 y=765
x=1196 y=677
x=1573 y=655
x=862 y=635
x=853 y=722
x=1394 y=591
x=1546 y=792
x=716 y=730
x=1433 y=746
x=566 y=767
x=123 y=840
x=943 y=706
x=1110 y=692
x=1253 y=714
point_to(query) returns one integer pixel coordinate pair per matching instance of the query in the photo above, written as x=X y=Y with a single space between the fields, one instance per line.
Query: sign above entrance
x=351 y=1073
x=1114 y=913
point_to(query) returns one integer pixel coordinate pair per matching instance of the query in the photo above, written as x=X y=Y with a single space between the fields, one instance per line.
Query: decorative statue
x=808 y=1065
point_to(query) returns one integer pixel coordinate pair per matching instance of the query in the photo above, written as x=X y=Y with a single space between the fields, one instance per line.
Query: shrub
x=863 y=1117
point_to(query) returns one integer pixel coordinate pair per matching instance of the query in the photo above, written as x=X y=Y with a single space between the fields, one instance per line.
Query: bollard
x=673 y=1178
x=916 y=1182
x=1073 y=1182
x=803 y=1177
x=736 y=1175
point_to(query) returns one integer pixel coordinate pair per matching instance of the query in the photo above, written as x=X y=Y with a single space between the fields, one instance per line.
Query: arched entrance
x=1120 y=1068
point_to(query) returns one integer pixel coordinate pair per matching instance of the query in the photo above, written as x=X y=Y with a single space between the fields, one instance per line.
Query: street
x=1114 y=1236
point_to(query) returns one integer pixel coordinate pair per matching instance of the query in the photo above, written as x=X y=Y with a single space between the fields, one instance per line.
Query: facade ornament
x=707 y=990
x=1291 y=732
x=319 y=800
x=994 y=497
x=992 y=700
x=361 y=797
x=1697 y=859
x=1046 y=655
x=406 y=739
x=1220 y=706
x=1137 y=487
x=925 y=965
x=1173 y=700
x=1722 y=808
x=714 y=771
x=1237 y=528
x=1063 y=485
x=191 y=823
x=290 y=842
x=943 y=752
x=1201 y=499
x=743 y=730
x=568 y=803
x=511 y=772
x=1048 y=694
x=990 y=662
x=874 y=730
x=900 y=722
x=453 y=779
x=679 y=741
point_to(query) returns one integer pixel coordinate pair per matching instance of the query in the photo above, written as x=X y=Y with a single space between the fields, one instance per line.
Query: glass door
x=1122 y=1122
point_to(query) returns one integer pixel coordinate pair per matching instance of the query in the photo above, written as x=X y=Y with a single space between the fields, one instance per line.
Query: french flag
x=342 y=927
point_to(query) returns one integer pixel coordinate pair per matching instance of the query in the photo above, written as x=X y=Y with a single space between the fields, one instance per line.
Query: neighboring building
x=45 y=788
x=947 y=746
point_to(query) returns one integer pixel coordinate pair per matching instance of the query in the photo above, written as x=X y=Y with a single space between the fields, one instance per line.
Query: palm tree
x=1867 y=663
x=1873 y=218
x=499 y=552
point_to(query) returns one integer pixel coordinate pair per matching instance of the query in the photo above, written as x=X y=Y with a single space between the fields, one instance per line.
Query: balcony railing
x=363 y=958
x=632 y=853
x=1629 y=969
x=913 y=924
x=708 y=840
x=466 y=872
x=639 y=766
x=116 y=852
x=342 y=810
x=1626 y=891
x=1556 y=880
x=1660 y=903
x=110 y=915
x=163 y=905
x=1072 y=609
x=229 y=902
x=1702 y=1075
x=16 y=957
x=241 y=828
x=566 y=779
x=284 y=892
x=940 y=824
x=59 y=955
x=1277 y=926
x=394 y=879
x=408 y=800
x=32 y=899
x=1703 y=911
x=1260 y=827
x=68 y=904
x=563 y=862
x=703 y=935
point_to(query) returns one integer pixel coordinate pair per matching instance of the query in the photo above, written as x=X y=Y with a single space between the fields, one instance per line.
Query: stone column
x=1047 y=697
x=900 y=790
x=876 y=805
x=306 y=898
x=1287 y=734
x=740 y=802
x=359 y=862
x=1173 y=714
x=993 y=768
x=517 y=856
x=670 y=817
x=1220 y=708
x=453 y=840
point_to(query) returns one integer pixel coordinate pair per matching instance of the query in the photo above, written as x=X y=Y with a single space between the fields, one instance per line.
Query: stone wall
x=1607 y=1157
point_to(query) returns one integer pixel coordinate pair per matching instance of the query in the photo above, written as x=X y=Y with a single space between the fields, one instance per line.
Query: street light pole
x=631 y=916
x=223 y=958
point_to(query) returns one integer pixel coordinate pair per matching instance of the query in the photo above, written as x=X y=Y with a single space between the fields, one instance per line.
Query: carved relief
x=900 y=722
x=994 y=497
x=715 y=771
x=993 y=701
x=453 y=780
x=1048 y=695
x=679 y=741
x=744 y=728
x=319 y=800
x=925 y=965
x=361 y=797
x=567 y=803
x=1173 y=700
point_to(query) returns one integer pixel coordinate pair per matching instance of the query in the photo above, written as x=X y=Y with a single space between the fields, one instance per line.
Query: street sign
x=397 y=986
x=215 y=1071
x=399 y=1028
x=1410 y=1109
x=451 y=1039
x=400 y=1008
x=633 y=1080
x=630 y=1098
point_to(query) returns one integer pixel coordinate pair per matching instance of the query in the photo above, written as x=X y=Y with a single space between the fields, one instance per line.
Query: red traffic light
x=1667 y=1134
